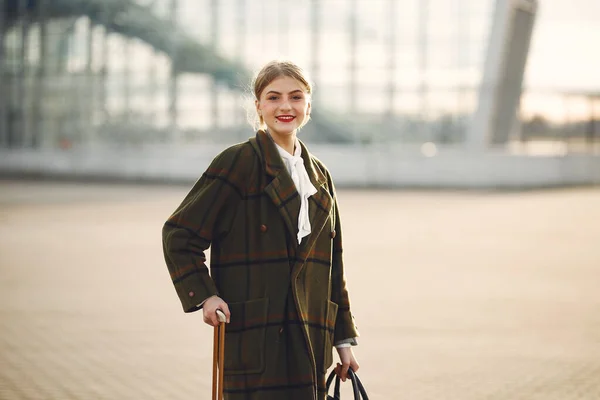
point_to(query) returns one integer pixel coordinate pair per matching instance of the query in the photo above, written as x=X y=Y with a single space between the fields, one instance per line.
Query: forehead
x=284 y=84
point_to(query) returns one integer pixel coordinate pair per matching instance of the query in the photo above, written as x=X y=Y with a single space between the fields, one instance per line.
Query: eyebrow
x=293 y=91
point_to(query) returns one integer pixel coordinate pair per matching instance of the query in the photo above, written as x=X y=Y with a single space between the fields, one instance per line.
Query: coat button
x=191 y=294
x=263 y=228
x=332 y=234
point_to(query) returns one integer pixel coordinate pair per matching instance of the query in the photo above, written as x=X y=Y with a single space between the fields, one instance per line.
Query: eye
x=297 y=97
x=272 y=98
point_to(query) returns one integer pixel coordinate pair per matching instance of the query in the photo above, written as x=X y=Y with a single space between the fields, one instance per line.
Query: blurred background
x=424 y=81
x=486 y=289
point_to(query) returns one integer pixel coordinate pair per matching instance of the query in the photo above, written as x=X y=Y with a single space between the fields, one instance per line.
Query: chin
x=284 y=132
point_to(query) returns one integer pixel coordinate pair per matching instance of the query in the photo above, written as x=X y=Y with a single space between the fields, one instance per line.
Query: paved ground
x=465 y=296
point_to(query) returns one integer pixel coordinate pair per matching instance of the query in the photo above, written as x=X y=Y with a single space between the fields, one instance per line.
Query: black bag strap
x=357 y=386
x=336 y=390
x=359 y=389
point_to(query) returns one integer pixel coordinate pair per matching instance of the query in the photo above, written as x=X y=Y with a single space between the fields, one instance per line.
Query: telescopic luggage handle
x=218 y=355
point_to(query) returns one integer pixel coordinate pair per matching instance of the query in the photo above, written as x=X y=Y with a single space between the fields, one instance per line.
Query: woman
x=268 y=210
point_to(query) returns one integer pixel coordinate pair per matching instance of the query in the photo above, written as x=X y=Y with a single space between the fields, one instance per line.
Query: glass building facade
x=131 y=73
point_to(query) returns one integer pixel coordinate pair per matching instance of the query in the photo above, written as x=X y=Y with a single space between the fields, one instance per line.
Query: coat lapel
x=281 y=189
x=320 y=204
x=284 y=195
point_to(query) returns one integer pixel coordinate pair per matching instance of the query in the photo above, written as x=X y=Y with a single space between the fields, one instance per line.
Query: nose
x=285 y=105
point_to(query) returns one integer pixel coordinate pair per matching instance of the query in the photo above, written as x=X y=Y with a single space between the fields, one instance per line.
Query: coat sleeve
x=345 y=327
x=205 y=213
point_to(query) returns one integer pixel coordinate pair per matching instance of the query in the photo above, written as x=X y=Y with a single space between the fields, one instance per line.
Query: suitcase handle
x=218 y=355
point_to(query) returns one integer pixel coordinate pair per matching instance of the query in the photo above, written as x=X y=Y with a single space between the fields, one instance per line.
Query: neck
x=286 y=142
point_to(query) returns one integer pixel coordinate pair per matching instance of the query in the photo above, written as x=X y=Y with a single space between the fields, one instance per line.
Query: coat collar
x=283 y=193
x=265 y=147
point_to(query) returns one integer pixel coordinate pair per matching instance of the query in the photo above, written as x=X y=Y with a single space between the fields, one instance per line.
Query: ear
x=257 y=105
x=308 y=109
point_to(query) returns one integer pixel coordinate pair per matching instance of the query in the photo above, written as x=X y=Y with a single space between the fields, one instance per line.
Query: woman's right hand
x=210 y=307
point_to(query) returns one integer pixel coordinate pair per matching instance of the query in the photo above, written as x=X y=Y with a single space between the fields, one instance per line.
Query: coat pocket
x=245 y=337
x=331 y=316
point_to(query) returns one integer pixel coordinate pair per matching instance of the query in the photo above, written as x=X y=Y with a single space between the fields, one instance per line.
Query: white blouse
x=295 y=166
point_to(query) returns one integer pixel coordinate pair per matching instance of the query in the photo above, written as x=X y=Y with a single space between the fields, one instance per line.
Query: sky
x=564 y=50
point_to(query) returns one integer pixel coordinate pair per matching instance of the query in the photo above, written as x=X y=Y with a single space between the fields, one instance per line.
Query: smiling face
x=284 y=106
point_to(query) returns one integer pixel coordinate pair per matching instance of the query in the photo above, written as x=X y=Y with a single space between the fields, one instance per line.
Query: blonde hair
x=268 y=73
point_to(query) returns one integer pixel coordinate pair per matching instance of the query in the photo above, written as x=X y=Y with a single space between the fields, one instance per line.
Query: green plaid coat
x=288 y=301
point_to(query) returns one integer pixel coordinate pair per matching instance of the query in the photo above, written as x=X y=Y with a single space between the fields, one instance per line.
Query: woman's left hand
x=347 y=360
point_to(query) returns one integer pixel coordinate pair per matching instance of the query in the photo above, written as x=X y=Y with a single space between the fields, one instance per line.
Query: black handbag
x=357 y=386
